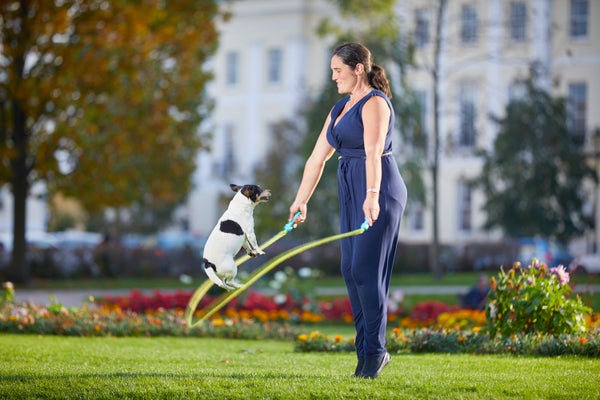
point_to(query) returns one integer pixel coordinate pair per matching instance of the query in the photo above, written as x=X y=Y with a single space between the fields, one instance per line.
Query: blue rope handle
x=290 y=225
x=365 y=225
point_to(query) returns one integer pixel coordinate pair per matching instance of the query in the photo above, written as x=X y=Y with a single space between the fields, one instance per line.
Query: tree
x=275 y=173
x=101 y=100
x=534 y=177
x=377 y=27
x=435 y=72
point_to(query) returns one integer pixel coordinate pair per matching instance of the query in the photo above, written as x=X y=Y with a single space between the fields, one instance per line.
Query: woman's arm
x=376 y=119
x=313 y=169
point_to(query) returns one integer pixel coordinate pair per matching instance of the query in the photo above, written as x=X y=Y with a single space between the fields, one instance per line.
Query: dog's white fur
x=234 y=230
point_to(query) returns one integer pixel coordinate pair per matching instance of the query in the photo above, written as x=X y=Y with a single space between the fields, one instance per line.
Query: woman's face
x=343 y=75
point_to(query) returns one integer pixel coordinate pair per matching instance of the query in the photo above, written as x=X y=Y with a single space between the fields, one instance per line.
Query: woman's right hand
x=294 y=208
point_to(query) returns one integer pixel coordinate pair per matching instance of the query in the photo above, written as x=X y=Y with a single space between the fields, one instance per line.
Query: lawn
x=50 y=367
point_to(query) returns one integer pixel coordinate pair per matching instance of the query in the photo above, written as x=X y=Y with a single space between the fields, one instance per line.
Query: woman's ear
x=359 y=69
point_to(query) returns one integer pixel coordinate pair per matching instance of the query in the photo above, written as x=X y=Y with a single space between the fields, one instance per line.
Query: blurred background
x=122 y=124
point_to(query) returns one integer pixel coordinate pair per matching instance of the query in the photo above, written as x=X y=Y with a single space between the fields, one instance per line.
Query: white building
x=270 y=59
x=486 y=46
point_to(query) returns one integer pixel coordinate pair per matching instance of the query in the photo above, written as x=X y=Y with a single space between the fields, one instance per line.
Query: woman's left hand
x=371 y=207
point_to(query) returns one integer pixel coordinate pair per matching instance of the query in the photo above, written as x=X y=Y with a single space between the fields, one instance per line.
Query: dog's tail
x=208 y=264
x=211 y=271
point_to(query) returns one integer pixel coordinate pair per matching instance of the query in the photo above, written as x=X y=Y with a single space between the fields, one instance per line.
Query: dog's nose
x=265 y=195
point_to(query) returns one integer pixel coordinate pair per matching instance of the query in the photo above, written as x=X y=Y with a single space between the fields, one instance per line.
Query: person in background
x=370 y=187
x=476 y=297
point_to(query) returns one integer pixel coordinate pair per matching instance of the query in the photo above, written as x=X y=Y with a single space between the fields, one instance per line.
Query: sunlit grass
x=175 y=368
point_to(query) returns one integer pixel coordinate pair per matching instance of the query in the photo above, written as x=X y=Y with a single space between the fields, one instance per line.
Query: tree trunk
x=19 y=270
x=434 y=263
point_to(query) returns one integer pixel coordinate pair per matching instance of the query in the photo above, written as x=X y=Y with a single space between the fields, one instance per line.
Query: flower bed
x=250 y=305
x=430 y=327
x=425 y=340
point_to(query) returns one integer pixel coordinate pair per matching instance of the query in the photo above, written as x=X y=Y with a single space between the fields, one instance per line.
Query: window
x=579 y=19
x=274 y=66
x=421 y=27
x=518 y=21
x=232 y=61
x=226 y=166
x=577 y=106
x=467 y=113
x=415 y=215
x=465 y=192
x=468 y=28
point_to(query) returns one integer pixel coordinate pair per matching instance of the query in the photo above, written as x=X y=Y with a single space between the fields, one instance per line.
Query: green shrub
x=7 y=294
x=534 y=299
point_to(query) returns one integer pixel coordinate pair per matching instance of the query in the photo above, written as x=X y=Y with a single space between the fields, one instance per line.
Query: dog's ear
x=249 y=192
x=234 y=187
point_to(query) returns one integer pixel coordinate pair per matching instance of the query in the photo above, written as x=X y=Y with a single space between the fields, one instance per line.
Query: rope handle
x=290 y=225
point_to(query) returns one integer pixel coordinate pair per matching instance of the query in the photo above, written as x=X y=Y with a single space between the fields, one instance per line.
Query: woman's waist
x=357 y=154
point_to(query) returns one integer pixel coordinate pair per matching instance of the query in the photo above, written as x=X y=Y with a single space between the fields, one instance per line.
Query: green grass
x=45 y=367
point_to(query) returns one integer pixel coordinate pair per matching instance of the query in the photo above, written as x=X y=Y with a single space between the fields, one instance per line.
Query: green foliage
x=102 y=100
x=277 y=173
x=323 y=205
x=7 y=295
x=534 y=300
x=535 y=175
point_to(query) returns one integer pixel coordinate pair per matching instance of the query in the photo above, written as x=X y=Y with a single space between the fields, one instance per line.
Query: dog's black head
x=255 y=193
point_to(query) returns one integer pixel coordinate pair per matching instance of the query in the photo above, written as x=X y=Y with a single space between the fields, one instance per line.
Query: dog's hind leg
x=210 y=270
x=233 y=284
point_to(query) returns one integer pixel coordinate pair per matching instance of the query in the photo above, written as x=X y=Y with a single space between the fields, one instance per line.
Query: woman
x=370 y=187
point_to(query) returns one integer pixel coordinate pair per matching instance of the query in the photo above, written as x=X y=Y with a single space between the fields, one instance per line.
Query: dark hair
x=355 y=53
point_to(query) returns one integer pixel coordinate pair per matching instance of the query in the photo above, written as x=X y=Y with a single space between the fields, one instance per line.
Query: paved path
x=71 y=298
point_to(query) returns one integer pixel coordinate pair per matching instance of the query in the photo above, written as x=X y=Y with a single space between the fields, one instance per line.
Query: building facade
x=268 y=63
x=486 y=46
x=270 y=60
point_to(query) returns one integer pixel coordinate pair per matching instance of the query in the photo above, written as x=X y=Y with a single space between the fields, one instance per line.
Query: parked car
x=179 y=252
x=586 y=263
x=40 y=253
x=547 y=251
x=76 y=253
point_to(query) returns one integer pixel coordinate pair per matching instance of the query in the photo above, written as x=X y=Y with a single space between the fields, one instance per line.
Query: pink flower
x=561 y=274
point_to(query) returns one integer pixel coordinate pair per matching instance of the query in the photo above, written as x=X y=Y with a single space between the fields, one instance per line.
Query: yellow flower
x=303 y=337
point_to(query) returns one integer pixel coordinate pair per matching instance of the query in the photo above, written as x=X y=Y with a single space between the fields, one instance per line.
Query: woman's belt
x=364 y=157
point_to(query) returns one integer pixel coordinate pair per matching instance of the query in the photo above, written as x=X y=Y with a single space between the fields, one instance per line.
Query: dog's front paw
x=253 y=253
x=256 y=253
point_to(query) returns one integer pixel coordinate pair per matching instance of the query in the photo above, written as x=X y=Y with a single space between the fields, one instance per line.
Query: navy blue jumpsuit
x=367 y=259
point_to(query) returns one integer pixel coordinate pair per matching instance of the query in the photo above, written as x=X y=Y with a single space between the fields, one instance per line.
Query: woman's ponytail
x=379 y=81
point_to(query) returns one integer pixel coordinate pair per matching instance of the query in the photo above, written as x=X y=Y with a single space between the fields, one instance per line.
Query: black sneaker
x=359 y=368
x=374 y=366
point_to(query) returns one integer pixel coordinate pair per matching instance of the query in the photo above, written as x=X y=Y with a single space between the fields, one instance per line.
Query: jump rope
x=226 y=297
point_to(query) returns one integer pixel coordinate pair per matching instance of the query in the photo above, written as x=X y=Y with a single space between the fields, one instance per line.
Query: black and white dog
x=234 y=230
